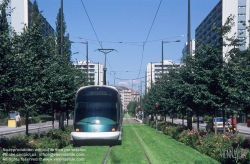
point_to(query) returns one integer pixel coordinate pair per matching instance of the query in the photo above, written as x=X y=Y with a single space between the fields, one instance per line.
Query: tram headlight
x=77 y=130
x=97 y=121
x=113 y=129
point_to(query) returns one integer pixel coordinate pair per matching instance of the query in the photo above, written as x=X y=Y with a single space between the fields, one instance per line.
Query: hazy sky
x=124 y=25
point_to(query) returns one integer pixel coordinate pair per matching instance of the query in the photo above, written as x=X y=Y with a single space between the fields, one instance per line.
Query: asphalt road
x=37 y=128
x=242 y=128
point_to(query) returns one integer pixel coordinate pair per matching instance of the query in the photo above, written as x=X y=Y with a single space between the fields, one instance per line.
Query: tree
x=6 y=81
x=66 y=42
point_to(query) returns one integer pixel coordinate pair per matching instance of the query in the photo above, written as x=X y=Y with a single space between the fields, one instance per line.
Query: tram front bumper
x=80 y=136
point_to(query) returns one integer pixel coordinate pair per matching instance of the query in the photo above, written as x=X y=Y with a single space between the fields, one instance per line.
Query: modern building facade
x=240 y=9
x=19 y=16
x=125 y=96
x=95 y=71
x=154 y=71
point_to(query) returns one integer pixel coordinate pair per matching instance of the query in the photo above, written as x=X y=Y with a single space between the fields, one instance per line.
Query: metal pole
x=189 y=30
x=104 y=70
x=87 y=58
x=105 y=51
x=98 y=73
x=61 y=125
x=151 y=76
x=62 y=27
x=162 y=57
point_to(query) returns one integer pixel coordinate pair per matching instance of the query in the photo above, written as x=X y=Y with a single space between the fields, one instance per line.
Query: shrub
x=221 y=147
x=56 y=139
x=45 y=117
x=207 y=118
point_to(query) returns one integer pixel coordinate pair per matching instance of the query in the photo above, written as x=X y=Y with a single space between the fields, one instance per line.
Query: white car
x=211 y=124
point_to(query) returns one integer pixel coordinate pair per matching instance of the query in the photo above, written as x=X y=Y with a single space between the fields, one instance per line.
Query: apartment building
x=19 y=15
x=154 y=71
x=95 y=71
x=125 y=96
x=218 y=16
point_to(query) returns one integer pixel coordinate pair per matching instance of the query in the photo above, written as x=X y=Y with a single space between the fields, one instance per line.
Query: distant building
x=218 y=16
x=21 y=16
x=135 y=96
x=125 y=96
x=154 y=71
x=95 y=71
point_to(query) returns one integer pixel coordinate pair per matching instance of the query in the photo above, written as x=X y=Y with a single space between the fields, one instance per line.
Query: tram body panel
x=97 y=116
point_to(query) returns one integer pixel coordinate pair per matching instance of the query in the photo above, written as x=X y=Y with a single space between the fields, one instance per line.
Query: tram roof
x=90 y=86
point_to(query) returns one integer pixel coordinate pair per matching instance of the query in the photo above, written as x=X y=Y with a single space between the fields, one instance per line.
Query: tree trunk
x=27 y=122
x=61 y=121
x=189 y=120
x=223 y=115
x=67 y=117
x=53 y=118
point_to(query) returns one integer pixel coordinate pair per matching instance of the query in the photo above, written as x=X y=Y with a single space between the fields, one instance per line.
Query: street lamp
x=86 y=55
x=162 y=52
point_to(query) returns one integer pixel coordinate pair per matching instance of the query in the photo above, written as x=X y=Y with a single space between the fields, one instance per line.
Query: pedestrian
x=229 y=125
x=17 y=120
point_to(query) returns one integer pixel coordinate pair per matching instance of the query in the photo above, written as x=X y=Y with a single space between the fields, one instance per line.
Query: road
x=37 y=128
x=242 y=129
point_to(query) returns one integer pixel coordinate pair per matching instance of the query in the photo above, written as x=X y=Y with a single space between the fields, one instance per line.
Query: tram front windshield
x=96 y=102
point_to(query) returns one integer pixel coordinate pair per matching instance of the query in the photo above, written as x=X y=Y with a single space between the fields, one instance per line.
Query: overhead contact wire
x=147 y=37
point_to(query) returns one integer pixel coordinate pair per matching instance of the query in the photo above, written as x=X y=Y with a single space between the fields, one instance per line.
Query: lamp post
x=162 y=52
x=87 y=56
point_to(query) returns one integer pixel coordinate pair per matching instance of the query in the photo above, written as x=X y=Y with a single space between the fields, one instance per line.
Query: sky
x=125 y=25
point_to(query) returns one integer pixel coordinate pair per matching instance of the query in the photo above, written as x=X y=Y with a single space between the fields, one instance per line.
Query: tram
x=97 y=116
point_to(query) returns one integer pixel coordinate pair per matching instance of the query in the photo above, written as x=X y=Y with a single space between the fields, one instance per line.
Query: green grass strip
x=164 y=149
x=127 y=116
x=76 y=155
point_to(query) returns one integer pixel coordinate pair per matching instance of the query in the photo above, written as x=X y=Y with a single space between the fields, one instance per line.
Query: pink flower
x=243 y=155
x=31 y=142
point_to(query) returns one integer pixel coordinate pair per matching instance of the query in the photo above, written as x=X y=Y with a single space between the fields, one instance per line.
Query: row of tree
x=207 y=82
x=34 y=76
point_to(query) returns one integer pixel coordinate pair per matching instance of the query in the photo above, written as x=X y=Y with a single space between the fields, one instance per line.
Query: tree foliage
x=34 y=77
x=207 y=82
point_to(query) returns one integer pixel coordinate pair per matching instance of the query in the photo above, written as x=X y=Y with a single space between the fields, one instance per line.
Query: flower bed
x=225 y=148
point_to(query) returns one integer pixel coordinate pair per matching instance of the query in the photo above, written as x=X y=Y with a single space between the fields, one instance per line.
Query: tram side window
x=80 y=111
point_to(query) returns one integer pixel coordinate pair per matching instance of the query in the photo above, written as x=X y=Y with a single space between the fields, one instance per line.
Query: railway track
x=132 y=121
x=107 y=155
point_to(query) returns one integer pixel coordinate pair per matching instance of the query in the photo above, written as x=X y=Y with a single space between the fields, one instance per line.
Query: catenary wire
x=143 y=48
x=91 y=24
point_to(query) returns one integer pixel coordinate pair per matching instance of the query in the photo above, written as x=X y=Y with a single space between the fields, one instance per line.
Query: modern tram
x=97 y=116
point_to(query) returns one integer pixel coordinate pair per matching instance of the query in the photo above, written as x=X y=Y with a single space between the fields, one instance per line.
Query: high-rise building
x=19 y=15
x=154 y=71
x=240 y=9
x=95 y=71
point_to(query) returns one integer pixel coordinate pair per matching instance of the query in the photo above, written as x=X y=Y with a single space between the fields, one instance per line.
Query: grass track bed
x=164 y=149
x=90 y=154
x=161 y=149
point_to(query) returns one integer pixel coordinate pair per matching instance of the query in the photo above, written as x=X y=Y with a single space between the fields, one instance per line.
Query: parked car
x=211 y=124
x=195 y=119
